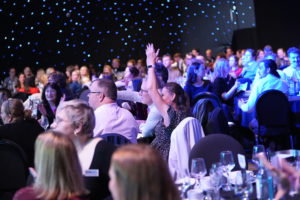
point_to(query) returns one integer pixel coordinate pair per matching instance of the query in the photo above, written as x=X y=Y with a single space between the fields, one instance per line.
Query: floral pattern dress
x=163 y=134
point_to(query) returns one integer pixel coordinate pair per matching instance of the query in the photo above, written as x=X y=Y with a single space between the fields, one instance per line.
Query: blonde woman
x=138 y=172
x=223 y=85
x=58 y=170
x=76 y=119
x=85 y=75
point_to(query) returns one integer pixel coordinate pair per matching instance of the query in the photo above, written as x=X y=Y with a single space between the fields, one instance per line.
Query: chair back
x=13 y=168
x=208 y=95
x=184 y=137
x=212 y=145
x=114 y=138
x=83 y=95
x=273 y=113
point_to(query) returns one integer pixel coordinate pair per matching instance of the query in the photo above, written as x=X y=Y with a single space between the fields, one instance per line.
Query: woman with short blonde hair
x=76 y=119
x=58 y=170
x=138 y=172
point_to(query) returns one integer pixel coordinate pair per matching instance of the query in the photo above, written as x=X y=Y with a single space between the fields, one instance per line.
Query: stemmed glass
x=257 y=149
x=198 y=170
x=227 y=161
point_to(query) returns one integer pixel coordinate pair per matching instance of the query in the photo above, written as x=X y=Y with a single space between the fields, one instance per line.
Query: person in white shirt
x=293 y=70
x=269 y=79
x=110 y=118
x=154 y=116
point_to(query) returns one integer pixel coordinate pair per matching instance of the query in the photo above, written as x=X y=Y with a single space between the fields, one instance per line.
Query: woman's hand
x=151 y=54
x=42 y=109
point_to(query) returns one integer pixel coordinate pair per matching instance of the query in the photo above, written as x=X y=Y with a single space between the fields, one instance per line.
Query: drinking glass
x=198 y=170
x=257 y=149
x=227 y=161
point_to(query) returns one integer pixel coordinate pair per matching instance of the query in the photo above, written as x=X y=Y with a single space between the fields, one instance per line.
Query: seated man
x=269 y=79
x=293 y=70
x=110 y=118
x=249 y=65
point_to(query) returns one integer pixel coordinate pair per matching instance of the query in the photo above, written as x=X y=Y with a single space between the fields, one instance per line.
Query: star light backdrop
x=42 y=33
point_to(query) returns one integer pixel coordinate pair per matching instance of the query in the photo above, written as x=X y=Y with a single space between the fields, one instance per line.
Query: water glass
x=257 y=149
x=243 y=190
x=198 y=170
x=227 y=161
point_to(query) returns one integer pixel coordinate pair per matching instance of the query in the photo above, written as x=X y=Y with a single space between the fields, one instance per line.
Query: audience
x=292 y=71
x=57 y=170
x=110 y=118
x=51 y=96
x=75 y=85
x=172 y=104
x=11 y=81
x=235 y=70
x=168 y=104
x=85 y=76
x=173 y=72
x=195 y=83
x=249 y=65
x=138 y=172
x=19 y=127
x=77 y=120
x=269 y=79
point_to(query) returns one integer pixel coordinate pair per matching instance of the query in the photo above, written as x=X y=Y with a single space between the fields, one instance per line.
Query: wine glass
x=257 y=149
x=198 y=170
x=227 y=161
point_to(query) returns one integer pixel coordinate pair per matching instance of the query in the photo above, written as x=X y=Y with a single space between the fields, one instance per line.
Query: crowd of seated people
x=167 y=85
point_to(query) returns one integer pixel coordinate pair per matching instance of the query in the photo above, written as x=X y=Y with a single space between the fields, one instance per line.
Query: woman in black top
x=76 y=119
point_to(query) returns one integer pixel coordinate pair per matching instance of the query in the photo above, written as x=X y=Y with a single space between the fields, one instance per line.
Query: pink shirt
x=110 y=118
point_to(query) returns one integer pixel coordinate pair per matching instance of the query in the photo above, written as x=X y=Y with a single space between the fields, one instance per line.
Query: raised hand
x=151 y=54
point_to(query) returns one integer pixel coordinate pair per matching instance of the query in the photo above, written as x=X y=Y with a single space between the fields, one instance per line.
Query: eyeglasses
x=95 y=92
x=143 y=91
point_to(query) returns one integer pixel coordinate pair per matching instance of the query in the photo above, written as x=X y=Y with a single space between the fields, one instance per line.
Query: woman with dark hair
x=29 y=86
x=137 y=172
x=172 y=104
x=51 y=97
x=269 y=80
x=195 y=83
x=235 y=70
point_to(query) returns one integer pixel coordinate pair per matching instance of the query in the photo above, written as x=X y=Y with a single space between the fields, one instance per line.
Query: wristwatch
x=149 y=66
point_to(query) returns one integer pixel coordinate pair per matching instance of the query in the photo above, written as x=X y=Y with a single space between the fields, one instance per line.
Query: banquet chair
x=207 y=95
x=115 y=139
x=211 y=146
x=211 y=116
x=274 y=119
x=83 y=95
x=13 y=169
x=184 y=137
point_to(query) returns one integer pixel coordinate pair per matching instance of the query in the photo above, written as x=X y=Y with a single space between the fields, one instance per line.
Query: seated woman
x=107 y=73
x=19 y=127
x=235 y=70
x=269 y=79
x=223 y=85
x=76 y=119
x=85 y=75
x=172 y=104
x=51 y=97
x=195 y=83
x=58 y=170
x=138 y=172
